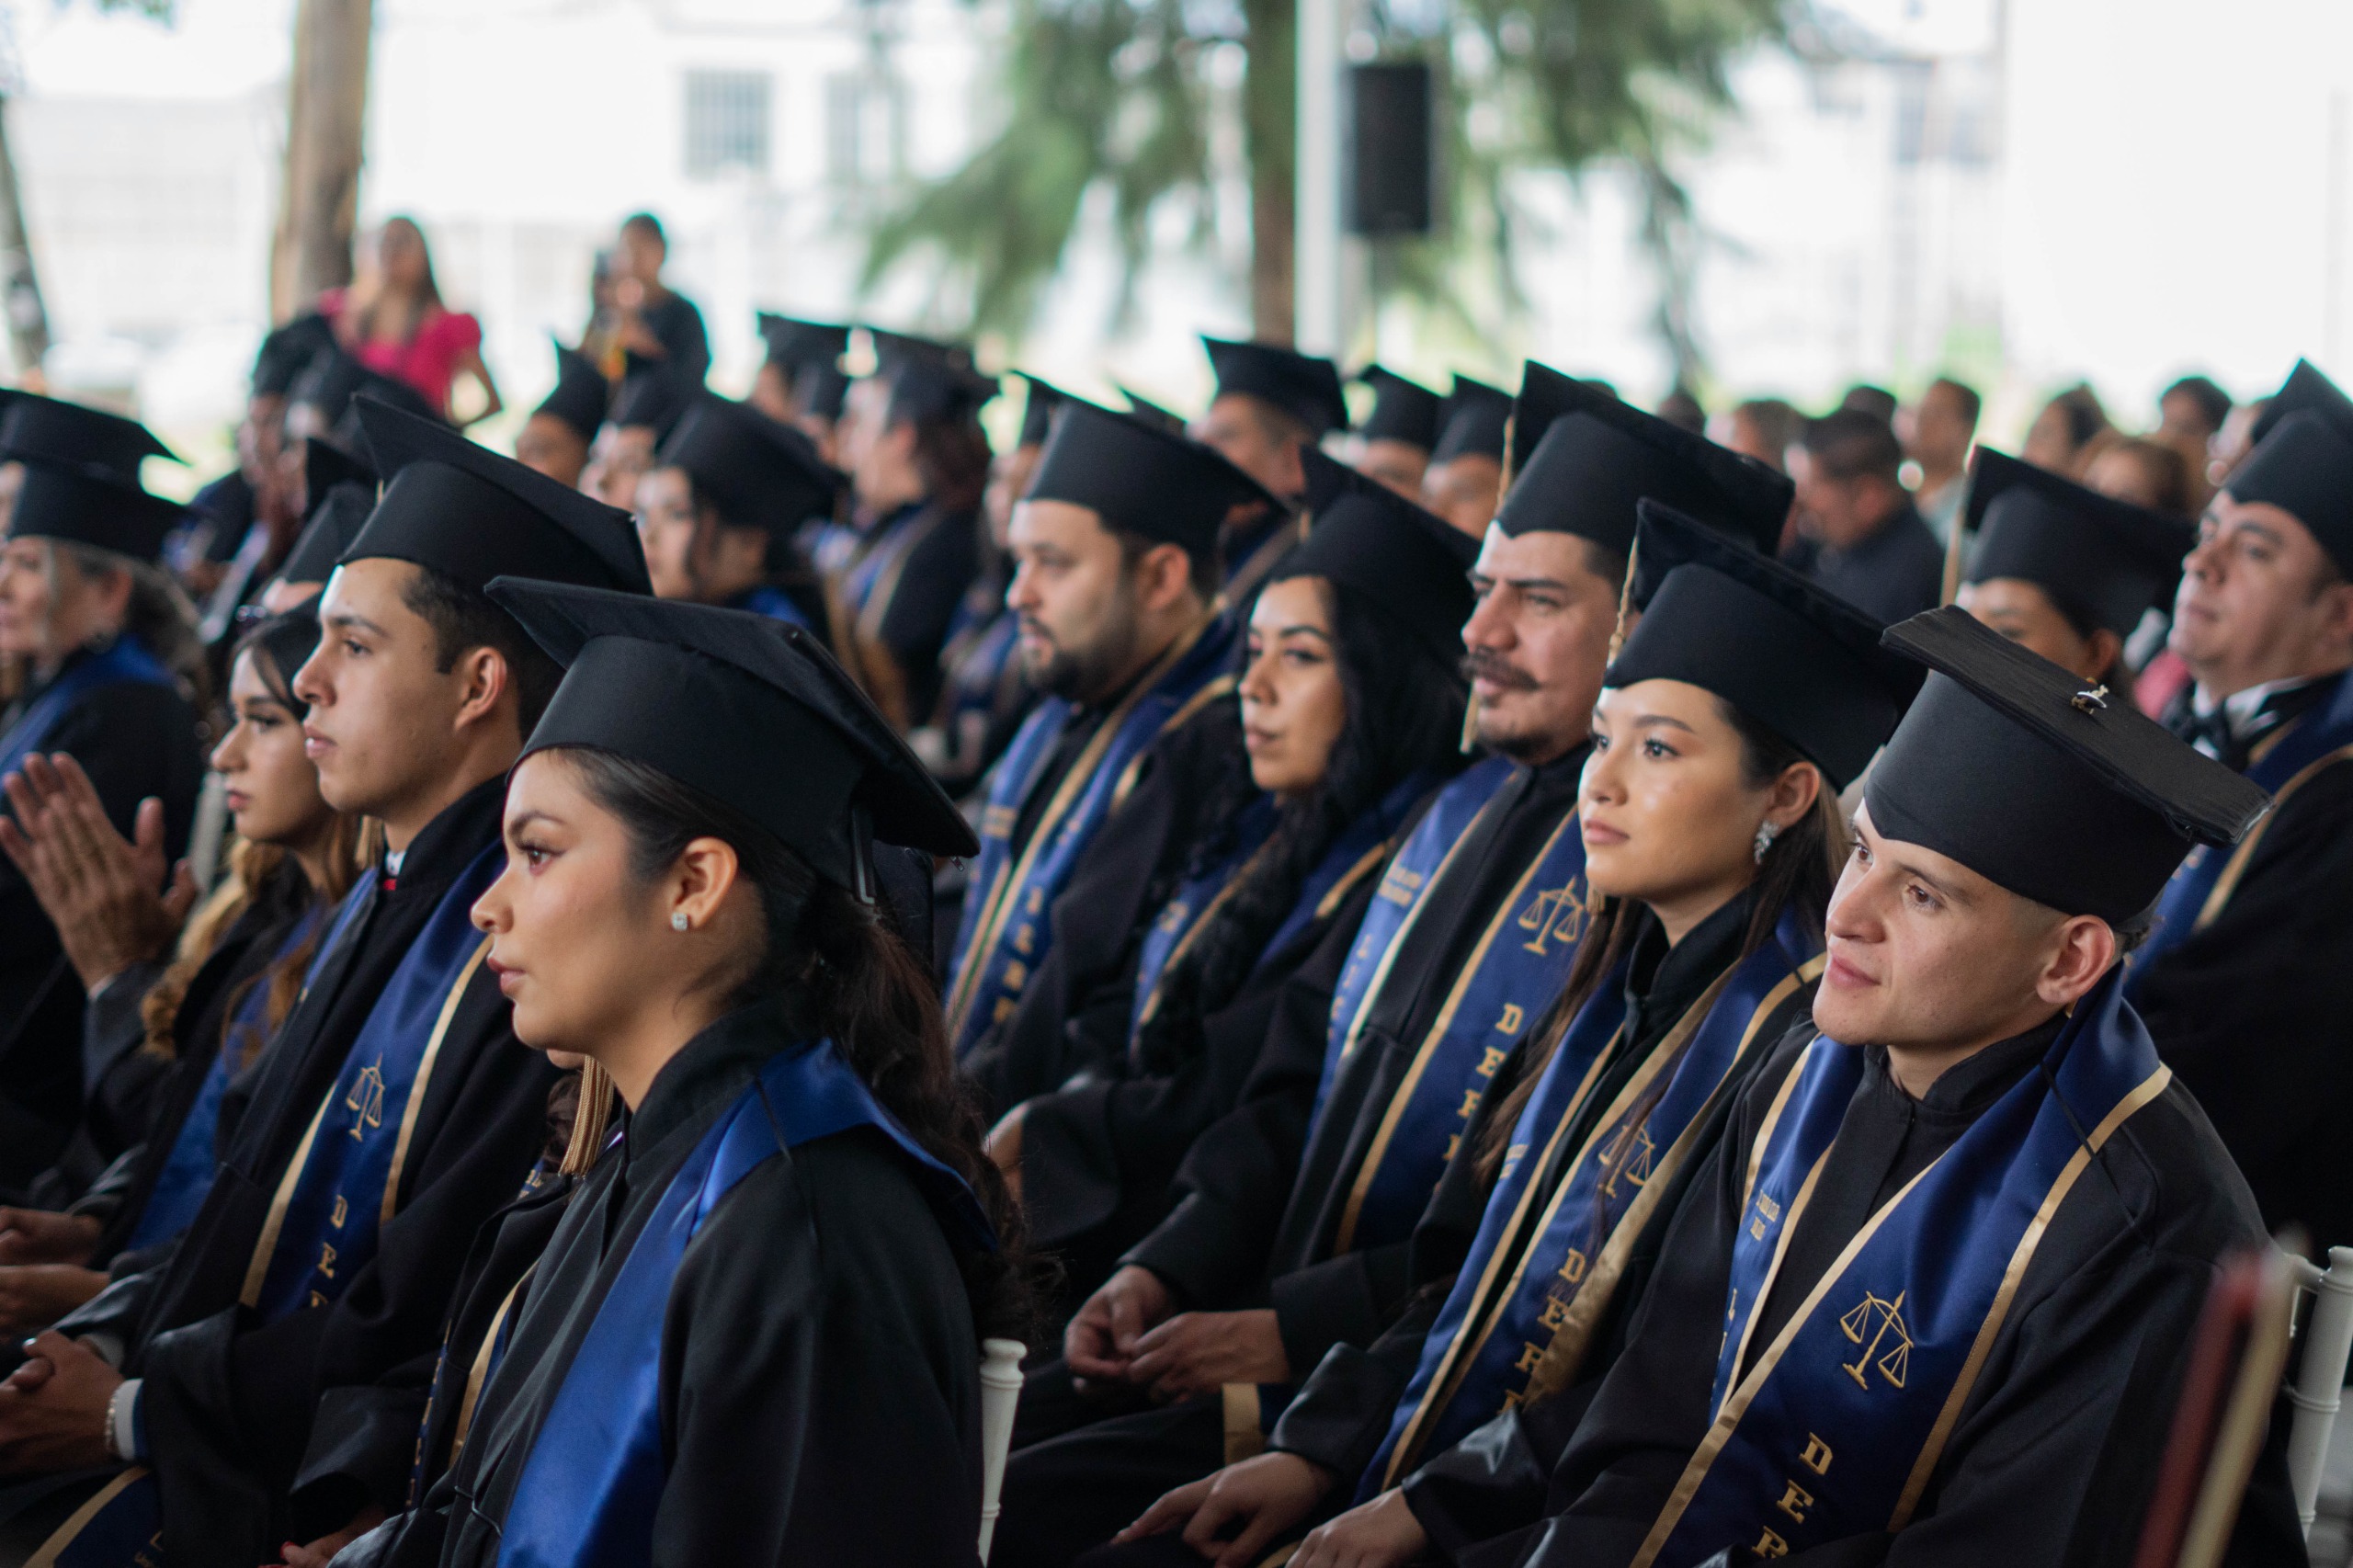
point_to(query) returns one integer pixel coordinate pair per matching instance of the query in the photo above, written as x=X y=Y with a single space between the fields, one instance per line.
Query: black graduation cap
x=1300 y=384
x=1475 y=418
x=75 y=503
x=1412 y=566
x=1036 y=410
x=1801 y=662
x=326 y=465
x=793 y=344
x=285 y=351
x=1142 y=479
x=713 y=697
x=2302 y=460
x=329 y=530
x=761 y=474
x=820 y=389
x=471 y=515
x=2102 y=561
x=1401 y=410
x=1151 y=413
x=895 y=350
x=1328 y=480
x=71 y=434
x=1581 y=458
x=580 y=395
x=650 y=396
x=2059 y=793
x=924 y=388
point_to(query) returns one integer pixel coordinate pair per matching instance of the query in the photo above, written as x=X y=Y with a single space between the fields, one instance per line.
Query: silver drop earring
x=678 y=921
x=1766 y=833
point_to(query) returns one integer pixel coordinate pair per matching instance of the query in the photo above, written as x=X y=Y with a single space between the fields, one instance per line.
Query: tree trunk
x=326 y=122
x=1270 y=140
x=20 y=290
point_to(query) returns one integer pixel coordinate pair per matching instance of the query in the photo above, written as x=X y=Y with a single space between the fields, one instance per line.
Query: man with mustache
x=1294 y=1212
x=1115 y=553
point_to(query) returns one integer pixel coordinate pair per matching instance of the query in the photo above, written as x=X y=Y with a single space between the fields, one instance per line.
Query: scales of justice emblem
x=366 y=1101
x=1554 y=914
x=1870 y=1324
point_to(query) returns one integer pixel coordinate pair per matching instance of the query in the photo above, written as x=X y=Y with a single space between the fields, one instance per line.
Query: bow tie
x=2210 y=732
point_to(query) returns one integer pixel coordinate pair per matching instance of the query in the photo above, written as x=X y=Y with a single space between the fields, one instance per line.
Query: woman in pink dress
x=393 y=321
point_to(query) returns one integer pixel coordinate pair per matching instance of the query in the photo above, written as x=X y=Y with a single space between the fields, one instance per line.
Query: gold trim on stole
x=54 y=1547
x=257 y=1271
x=479 y=1372
x=997 y=907
x=1737 y=1403
x=2228 y=883
x=1506 y=909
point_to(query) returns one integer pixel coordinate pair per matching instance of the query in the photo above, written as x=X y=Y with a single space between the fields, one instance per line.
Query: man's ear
x=2084 y=949
x=483 y=677
x=1163 y=572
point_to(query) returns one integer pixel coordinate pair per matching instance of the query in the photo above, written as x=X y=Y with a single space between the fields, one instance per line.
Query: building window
x=727 y=122
x=862 y=128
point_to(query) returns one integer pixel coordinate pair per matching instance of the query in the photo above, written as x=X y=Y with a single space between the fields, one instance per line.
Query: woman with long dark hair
x=721 y=508
x=918 y=463
x=393 y=321
x=755 y=1337
x=169 y=1036
x=1351 y=713
x=1741 y=704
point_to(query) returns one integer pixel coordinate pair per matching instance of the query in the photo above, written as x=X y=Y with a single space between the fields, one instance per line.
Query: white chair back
x=1000 y=1394
x=2320 y=1374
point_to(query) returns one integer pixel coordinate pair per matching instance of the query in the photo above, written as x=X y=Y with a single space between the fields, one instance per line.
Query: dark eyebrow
x=1662 y=721
x=1302 y=629
x=524 y=819
x=343 y=619
x=1911 y=869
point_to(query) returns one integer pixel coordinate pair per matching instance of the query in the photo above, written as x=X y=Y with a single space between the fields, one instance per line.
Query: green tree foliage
x=1117 y=95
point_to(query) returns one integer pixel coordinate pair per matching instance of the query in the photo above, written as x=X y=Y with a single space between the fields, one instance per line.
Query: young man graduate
x=1932 y=1304
x=2242 y=983
x=263 y=1381
x=1270 y=402
x=1291 y=1231
x=1115 y=554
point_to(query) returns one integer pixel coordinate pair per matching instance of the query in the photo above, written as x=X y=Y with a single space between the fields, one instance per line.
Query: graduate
x=802 y=363
x=718 y=512
x=1743 y=701
x=1271 y=403
x=1465 y=474
x=115 y=676
x=1115 y=553
x=2238 y=985
x=273 y=1367
x=982 y=695
x=167 y=1032
x=1393 y=443
x=555 y=440
x=647 y=405
x=2063 y=571
x=1932 y=1300
x=1351 y=708
x=755 y=1337
x=1292 y=1229
x=341 y=492
x=918 y=463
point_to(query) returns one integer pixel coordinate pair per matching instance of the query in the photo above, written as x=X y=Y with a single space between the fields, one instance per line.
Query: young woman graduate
x=167 y=1033
x=719 y=510
x=1743 y=702
x=755 y=1337
x=110 y=650
x=1351 y=711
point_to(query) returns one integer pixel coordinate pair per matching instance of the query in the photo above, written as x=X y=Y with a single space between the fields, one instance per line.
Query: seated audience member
x=1937 y=433
x=555 y=440
x=1862 y=539
x=1465 y=479
x=1271 y=403
x=1394 y=444
x=2068 y=432
x=647 y=405
x=720 y=511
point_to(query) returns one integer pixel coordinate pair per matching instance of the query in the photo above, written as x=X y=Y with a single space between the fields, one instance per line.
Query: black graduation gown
x=1892 y=574
x=2251 y=1011
x=819 y=1385
x=1261 y=1201
x=237 y=1410
x=906 y=616
x=677 y=324
x=139 y=1101
x=134 y=741
x=2057 y=1446
x=1342 y=1412
x=1073 y=1017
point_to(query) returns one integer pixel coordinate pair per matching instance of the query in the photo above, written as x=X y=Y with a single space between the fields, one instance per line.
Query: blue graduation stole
x=2320 y=738
x=775 y=604
x=1187 y=911
x=343 y=1183
x=1836 y=1428
x=1502 y=1337
x=127 y=662
x=595 y=1475
x=978 y=654
x=1004 y=933
x=121 y=1526
x=1519 y=966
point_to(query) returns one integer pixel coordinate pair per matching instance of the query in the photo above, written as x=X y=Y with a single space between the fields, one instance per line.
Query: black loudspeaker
x=1388 y=157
